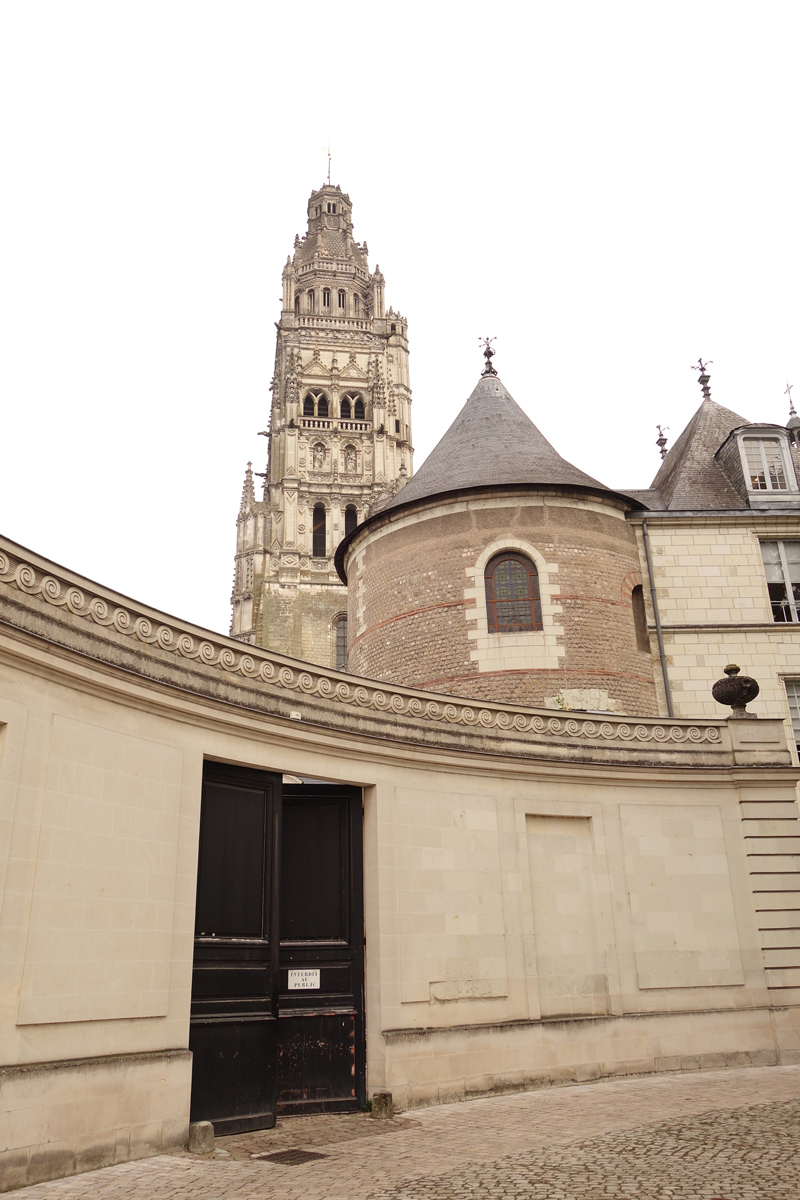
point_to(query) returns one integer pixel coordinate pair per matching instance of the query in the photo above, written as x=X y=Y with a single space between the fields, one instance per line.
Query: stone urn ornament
x=737 y=691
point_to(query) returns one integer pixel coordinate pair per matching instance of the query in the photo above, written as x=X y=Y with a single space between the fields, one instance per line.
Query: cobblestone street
x=715 y=1135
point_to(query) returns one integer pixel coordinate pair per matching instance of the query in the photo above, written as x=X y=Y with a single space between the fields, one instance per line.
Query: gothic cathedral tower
x=339 y=440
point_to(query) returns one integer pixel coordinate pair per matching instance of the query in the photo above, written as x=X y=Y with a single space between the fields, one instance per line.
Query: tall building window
x=512 y=594
x=319 y=536
x=340 y=634
x=345 y=410
x=793 y=696
x=297 y=306
x=326 y=297
x=342 y=300
x=356 y=306
x=310 y=295
x=322 y=406
x=308 y=406
x=765 y=468
x=350 y=519
x=358 y=409
x=782 y=568
x=640 y=619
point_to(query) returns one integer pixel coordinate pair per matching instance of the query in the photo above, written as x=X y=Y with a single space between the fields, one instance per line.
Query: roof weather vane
x=488 y=354
x=703 y=377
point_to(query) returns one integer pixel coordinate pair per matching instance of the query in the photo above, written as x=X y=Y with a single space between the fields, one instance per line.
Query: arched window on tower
x=340 y=641
x=319 y=532
x=345 y=409
x=308 y=405
x=512 y=594
x=326 y=297
x=322 y=406
x=358 y=409
x=297 y=306
x=350 y=519
x=356 y=306
x=310 y=296
x=342 y=300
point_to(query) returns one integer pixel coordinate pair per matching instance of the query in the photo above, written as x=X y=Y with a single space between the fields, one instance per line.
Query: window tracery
x=513 y=604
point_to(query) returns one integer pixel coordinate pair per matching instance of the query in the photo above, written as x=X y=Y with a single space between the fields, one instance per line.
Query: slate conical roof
x=492 y=443
x=690 y=477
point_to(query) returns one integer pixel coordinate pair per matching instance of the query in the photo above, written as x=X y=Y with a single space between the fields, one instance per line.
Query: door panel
x=233 y=1029
x=321 y=1060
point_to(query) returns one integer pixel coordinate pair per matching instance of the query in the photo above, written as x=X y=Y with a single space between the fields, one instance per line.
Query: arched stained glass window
x=319 y=532
x=512 y=594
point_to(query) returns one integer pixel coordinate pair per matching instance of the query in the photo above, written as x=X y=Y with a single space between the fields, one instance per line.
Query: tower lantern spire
x=339 y=437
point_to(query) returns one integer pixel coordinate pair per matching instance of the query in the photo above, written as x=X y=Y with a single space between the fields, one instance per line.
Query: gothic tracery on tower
x=339 y=438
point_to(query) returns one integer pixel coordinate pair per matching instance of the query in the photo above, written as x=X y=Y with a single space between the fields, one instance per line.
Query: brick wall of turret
x=411 y=612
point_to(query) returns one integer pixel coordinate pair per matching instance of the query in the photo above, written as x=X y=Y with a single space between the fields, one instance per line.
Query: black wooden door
x=321 y=1059
x=233 y=1028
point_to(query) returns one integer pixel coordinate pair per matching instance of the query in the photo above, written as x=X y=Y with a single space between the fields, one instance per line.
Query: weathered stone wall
x=417 y=602
x=301 y=620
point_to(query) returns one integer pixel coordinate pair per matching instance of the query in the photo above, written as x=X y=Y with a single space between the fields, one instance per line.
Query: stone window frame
x=531 y=649
x=339 y=620
x=767 y=434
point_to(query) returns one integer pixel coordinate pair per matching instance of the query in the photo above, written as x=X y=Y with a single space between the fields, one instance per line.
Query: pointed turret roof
x=492 y=443
x=690 y=477
x=248 y=494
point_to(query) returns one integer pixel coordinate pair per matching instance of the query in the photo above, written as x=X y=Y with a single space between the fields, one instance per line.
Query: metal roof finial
x=788 y=393
x=661 y=440
x=704 y=377
x=488 y=354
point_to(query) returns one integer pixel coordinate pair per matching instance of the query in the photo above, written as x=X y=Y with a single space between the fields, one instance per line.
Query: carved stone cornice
x=48 y=602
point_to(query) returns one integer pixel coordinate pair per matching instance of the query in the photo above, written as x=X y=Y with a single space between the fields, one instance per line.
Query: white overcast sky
x=610 y=189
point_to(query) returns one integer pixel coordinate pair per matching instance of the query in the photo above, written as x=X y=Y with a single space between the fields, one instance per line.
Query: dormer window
x=765 y=467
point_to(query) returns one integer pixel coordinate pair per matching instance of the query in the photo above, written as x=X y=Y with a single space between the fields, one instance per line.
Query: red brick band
x=412 y=612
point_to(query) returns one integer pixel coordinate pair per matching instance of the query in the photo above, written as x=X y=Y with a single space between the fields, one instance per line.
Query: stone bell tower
x=339 y=439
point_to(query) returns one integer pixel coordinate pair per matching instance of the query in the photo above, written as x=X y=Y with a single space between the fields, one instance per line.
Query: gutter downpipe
x=661 y=653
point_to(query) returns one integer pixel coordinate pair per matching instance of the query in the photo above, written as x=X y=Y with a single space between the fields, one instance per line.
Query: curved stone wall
x=417 y=610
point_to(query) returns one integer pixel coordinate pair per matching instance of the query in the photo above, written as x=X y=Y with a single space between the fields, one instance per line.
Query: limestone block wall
x=417 y=609
x=63 y=1118
x=547 y=896
x=715 y=609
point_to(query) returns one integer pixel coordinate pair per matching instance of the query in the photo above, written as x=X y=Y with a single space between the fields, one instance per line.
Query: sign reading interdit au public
x=303 y=980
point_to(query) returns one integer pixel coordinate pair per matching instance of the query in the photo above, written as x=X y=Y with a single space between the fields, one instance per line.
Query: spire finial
x=661 y=440
x=788 y=393
x=488 y=354
x=704 y=377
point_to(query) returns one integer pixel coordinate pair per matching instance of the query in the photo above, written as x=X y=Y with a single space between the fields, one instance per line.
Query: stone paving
x=710 y=1135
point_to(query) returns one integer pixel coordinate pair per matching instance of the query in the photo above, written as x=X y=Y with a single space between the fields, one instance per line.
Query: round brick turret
x=417 y=607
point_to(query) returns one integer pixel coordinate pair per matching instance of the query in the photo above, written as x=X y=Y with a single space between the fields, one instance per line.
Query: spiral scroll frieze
x=96 y=609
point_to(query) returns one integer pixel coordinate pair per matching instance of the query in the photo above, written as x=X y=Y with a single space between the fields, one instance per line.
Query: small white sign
x=303 y=980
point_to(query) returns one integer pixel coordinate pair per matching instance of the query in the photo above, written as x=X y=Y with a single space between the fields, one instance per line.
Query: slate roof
x=690 y=478
x=492 y=443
